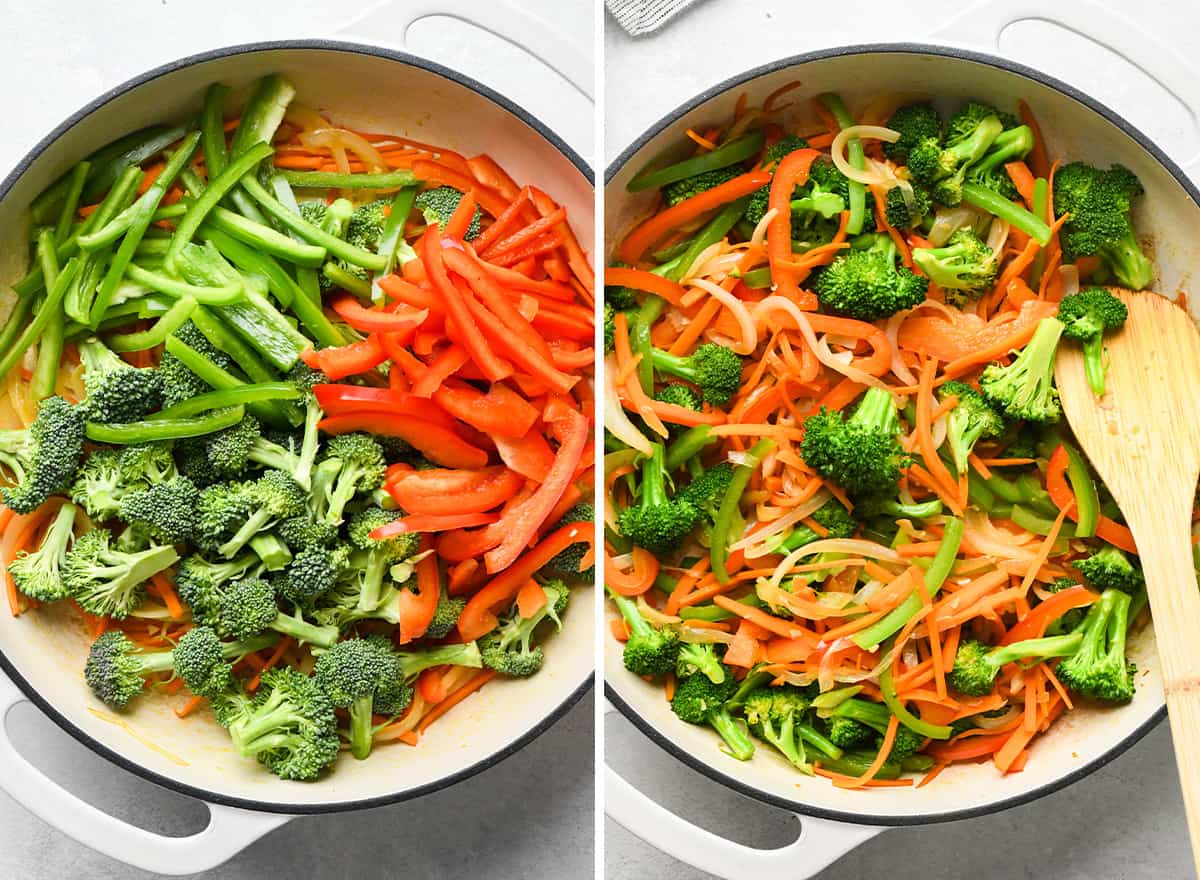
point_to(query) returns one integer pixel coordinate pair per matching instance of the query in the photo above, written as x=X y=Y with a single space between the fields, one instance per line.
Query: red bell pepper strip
x=515 y=349
x=460 y=220
x=530 y=456
x=462 y=544
x=346 y=360
x=338 y=400
x=523 y=522
x=367 y=320
x=478 y=618
x=1033 y=626
x=431 y=684
x=439 y=444
x=444 y=365
x=1060 y=493
x=791 y=172
x=430 y=171
x=410 y=294
x=416 y=609
x=500 y=412
x=466 y=331
x=428 y=522
x=965 y=750
x=575 y=255
x=444 y=491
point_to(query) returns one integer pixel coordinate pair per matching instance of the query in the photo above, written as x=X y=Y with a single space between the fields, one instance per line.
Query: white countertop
x=1124 y=822
x=56 y=55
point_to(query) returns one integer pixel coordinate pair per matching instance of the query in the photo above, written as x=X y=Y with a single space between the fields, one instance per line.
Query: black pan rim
x=22 y=166
x=940 y=51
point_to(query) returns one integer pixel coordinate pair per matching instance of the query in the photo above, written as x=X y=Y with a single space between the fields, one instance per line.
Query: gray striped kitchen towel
x=640 y=17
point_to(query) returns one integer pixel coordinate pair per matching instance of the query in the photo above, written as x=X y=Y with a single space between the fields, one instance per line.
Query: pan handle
x=228 y=832
x=515 y=23
x=1098 y=22
x=820 y=842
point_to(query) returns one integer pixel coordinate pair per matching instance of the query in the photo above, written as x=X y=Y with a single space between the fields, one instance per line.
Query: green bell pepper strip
x=104 y=175
x=758 y=279
x=857 y=159
x=129 y=433
x=360 y=287
x=225 y=294
x=78 y=176
x=267 y=240
x=1087 y=499
x=50 y=306
x=148 y=204
x=282 y=286
x=227 y=397
x=728 y=511
x=212 y=129
x=222 y=379
x=45 y=371
x=224 y=339
x=998 y=206
x=939 y=569
x=338 y=180
x=1034 y=522
x=265 y=328
x=714 y=612
x=15 y=322
x=260 y=119
x=170 y=321
x=216 y=190
x=688 y=445
x=738 y=150
x=712 y=232
x=336 y=246
x=105 y=161
x=1041 y=203
x=392 y=235
x=639 y=342
x=306 y=276
x=887 y=687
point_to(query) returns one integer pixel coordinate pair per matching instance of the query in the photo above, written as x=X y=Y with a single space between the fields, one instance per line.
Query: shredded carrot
x=472 y=684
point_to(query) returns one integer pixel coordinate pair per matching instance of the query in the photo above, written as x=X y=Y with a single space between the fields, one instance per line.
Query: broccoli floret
x=775 y=714
x=875 y=717
x=116 y=668
x=39 y=574
x=1012 y=145
x=366 y=224
x=381 y=553
x=969 y=134
x=610 y=328
x=144 y=464
x=1086 y=316
x=202 y=584
x=116 y=391
x=178 y=382
x=229 y=450
x=837 y=521
x=1110 y=569
x=964 y=267
x=301 y=532
x=699 y=659
x=908 y=212
x=107 y=581
x=289 y=725
x=231 y=514
x=364 y=676
x=846 y=733
x=681 y=190
x=917 y=124
x=439 y=204
x=867 y=284
x=248 y=608
x=698 y=700
x=772 y=156
x=44 y=457
x=311 y=573
x=649 y=651
x=567 y=562
x=167 y=511
x=445 y=616
x=825 y=178
x=678 y=394
x=1099 y=668
x=862 y=453
x=99 y=486
x=714 y=368
x=360 y=467
x=972 y=420
x=976 y=665
x=707 y=489
x=1100 y=224
x=1025 y=388
x=657 y=521
x=509 y=648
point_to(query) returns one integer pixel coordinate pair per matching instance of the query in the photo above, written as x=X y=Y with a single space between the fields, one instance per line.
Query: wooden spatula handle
x=1164 y=545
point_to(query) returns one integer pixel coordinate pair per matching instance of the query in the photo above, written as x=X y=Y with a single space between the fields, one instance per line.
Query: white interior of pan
x=1167 y=217
x=48 y=646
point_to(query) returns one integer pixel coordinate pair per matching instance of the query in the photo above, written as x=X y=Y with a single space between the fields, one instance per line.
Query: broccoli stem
x=730 y=507
x=939 y=569
x=361 y=726
x=857 y=158
x=737 y=741
x=271 y=550
x=638 y=625
x=998 y=206
x=688 y=445
x=818 y=740
x=303 y=631
x=251 y=527
x=1093 y=363
x=149 y=431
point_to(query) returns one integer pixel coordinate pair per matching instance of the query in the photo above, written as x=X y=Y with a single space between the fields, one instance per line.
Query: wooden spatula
x=1143 y=437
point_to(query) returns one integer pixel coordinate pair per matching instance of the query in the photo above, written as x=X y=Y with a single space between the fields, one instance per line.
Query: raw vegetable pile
x=844 y=519
x=299 y=420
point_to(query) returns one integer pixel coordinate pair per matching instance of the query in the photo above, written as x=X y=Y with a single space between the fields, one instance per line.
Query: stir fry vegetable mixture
x=844 y=518
x=299 y=421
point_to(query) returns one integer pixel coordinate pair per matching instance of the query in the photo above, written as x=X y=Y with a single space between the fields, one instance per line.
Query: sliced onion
x=697 y=635
x=1070 y=279
x=998 y=236
x=777 y=597
x=714 y=249
x=849 y=546
x=804 y=679
x=990 y=540
x=347 y=140
x=741 y=314
x=653 y=615
x=947 y=221
x=899 y=369
x=829 y=662
x=760 y=231
x=837 y=150
x=762 y=537
x=615 y=419
x=824 y=355
x=304 y=118
x=986 y=723
x=906 y=193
